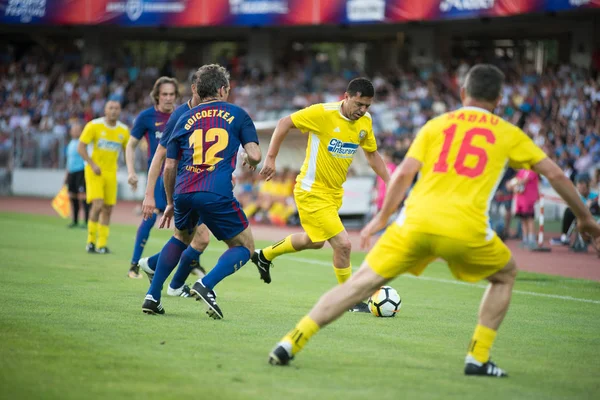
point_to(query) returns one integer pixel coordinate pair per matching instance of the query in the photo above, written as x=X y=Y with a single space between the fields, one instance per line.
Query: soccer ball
x=385 y=302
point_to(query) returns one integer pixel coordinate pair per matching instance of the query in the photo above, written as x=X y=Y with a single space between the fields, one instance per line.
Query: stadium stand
x=41 y=92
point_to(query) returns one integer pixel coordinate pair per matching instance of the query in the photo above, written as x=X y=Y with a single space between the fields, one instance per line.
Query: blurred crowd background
x=42 y=92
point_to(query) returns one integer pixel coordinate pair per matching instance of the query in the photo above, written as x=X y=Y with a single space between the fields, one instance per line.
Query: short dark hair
x=154 y=94
x=209 y=79
x=362 y=86
x=484 y=82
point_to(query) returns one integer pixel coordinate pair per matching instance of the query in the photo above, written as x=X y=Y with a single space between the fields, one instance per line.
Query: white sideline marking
x=448 y=281
x=440 y=280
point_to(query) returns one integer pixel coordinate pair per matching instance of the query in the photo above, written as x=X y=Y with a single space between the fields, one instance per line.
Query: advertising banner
x=187 y=13
x=49 y=12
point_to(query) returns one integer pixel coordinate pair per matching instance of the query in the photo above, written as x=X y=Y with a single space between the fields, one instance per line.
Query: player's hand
x=148 y=207
x=591 y=229
x=246 y=163
x=165 y=220
x=374 y=226
x=133 y=181
x=96 y=169
x=268 y=169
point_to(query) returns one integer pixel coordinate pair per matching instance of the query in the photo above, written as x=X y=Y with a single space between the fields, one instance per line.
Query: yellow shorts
x=103 y=187
x=401 y=250
x=319 y=214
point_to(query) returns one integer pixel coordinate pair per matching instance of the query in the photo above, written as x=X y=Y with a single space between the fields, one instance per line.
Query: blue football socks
x=231 y=261
x=143 y=233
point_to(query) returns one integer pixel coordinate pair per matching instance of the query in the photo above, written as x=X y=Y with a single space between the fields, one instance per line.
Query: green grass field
x=71 y=327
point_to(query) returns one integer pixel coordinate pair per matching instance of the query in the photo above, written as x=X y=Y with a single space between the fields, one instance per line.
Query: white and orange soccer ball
x=385 y=302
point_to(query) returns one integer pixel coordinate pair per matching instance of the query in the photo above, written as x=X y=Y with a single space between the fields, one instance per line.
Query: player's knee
x=201 y=240
x=317 y=245
x=183 y=236
x=506 y=275
x=343 y=247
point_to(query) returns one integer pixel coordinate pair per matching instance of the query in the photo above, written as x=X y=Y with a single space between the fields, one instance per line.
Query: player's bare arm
x=565 y=188
x=132 y=179
x=169 y=175
x=378 y=165
x=82 y=150
x=401 y=179
x=149 y=204
x=251 y=155
x=281 y=130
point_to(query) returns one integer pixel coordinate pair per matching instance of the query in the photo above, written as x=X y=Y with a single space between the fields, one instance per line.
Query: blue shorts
x=160 y=196
x=222 y=215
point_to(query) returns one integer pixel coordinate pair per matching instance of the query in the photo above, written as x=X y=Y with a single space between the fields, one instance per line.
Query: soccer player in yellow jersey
x=460 y=156
x=108 y=136
x=335 y=132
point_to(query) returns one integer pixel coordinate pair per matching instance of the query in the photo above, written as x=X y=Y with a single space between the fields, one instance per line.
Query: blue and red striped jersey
x=206 y=140
x=179 y=111
x=150 y=123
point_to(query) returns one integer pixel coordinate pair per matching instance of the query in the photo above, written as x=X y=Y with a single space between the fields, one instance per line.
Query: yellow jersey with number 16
x=464 y=154
x=333 y=140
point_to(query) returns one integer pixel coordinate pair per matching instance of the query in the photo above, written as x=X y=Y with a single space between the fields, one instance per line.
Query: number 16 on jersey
x=466 y=148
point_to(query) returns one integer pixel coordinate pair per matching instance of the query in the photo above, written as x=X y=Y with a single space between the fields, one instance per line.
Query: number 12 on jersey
x=207 y=145
x=466 y=148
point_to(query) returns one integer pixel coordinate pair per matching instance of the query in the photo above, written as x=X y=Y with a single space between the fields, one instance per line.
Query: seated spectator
x=589 y=197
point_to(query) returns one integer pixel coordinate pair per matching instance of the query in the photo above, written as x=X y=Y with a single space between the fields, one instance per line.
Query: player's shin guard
x=189 y=260
x=298 y=336
x=143 y=233
x=481 y=343
x=103 y=231
x=343 y=274
x=282 y=247
x=232 y=260
x=168 y=259
x=92 y=232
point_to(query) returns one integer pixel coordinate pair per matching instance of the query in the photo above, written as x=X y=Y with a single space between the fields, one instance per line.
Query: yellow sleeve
x=418 y=148
x=89 y=134
x=369 y=143
x=309 y=119
x=524 y=153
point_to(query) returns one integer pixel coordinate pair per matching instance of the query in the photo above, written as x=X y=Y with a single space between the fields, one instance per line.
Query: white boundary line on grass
x=448 y=281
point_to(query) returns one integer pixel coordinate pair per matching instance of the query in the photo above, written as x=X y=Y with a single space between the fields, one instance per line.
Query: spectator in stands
x=503 y=199
x=589 y=197
x=40 y=92
x=525 y=185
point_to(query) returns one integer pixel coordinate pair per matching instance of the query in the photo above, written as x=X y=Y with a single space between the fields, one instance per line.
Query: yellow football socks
x=482 y=341
x=282 y=247
x=343 y=274
x=301 y=333
x=92 y=230
x=102 y=236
